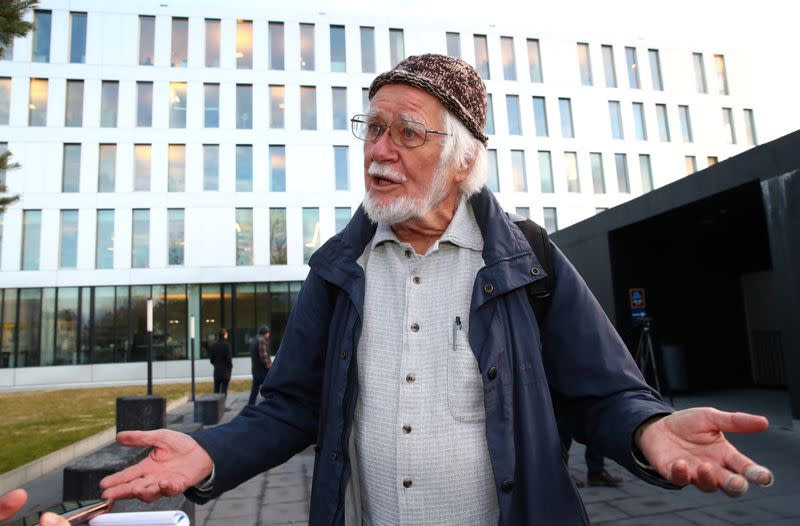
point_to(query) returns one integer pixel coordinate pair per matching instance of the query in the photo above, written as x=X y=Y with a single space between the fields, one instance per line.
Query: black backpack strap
x=540 y=292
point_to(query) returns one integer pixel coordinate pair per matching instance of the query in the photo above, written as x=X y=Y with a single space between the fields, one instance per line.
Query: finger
x=147 y=490
x=12 y=502
x=51 y=519
x=679 y=473
x=734 y=486
x=119 y=492
x=704 y=478
x=760 y=475
x=172 y=486
x=738 y=422
x=122 y=477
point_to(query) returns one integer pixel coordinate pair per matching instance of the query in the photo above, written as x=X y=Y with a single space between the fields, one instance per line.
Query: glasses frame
x=362 y=119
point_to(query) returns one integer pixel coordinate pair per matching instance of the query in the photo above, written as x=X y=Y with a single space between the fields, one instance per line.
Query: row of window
x=244 y=38
x=92 y=325
x=177 y=101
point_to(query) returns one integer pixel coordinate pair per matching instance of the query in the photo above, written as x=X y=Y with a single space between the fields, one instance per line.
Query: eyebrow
x=405 y=117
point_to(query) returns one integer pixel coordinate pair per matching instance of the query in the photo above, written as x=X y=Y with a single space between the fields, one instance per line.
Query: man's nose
x=384 y=150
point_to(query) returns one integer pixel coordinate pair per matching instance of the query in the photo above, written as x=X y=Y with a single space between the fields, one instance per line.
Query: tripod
x=645 y=355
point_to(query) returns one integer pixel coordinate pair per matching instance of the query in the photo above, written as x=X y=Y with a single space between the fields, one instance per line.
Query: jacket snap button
x=344 y=355
x=407 y=483
x=414 y=327
x=508 y=485
x=334 y=455
x=492 y=373
x=407 y=253
x=535 y=271
x=488 y=288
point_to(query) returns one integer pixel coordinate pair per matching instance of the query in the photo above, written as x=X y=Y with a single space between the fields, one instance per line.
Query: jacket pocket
x=464 y=382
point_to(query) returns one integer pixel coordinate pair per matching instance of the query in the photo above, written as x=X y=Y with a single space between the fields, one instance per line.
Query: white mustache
x=386 y=172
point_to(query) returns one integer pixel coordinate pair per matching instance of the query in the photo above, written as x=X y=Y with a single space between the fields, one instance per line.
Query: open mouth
x=383 y=182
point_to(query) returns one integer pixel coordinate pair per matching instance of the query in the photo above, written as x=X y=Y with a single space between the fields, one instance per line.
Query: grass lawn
x=35 y=423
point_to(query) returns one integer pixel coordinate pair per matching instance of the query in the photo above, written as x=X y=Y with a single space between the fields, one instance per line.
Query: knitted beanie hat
x=453 y=82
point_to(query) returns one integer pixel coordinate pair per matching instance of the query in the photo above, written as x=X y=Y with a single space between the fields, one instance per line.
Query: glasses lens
x=408 y=134
x=360 y=127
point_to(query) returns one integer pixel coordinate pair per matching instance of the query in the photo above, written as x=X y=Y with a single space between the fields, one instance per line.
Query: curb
x=17 y=477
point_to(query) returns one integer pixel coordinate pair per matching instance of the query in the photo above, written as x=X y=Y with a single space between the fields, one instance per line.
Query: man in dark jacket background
x=221 y=358
x=260 y=361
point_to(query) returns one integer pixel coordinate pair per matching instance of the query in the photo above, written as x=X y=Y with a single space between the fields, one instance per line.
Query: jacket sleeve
x=596 y=386
x=268 y=434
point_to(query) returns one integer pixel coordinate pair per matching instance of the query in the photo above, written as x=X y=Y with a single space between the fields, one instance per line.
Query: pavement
x=281 y=496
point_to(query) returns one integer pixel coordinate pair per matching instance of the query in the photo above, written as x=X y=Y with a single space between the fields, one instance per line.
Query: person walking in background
x=260 y=360
x=222 y=359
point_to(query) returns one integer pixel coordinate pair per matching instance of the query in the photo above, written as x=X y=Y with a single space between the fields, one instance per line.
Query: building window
x=663 y=123
x=211 y=167
x=339 y=100
x=699 y=73
x=7 y=52
x=244 y=44
x=341 y=160
x=509 y=60
x=655 y=69
x=104 y=242
x=211 y=105
x=144 y=104
x=308 y=108
x=142 y=167
x=3 y=150
x=73 y=114
x=107 y=168
x=540 y=116
x=77 y=38
x=338 y=49
x=608 y=66
x=691 y=164
x=277 y=106
x=514 y=118
x=276 y=46
x=546 y=172
x=565 y=108
x=307 y=47
x=109 y=104
x=571 y=172
x=750 y=127
x=397 y=46
x=37 y=115
x=615 y=114
x=621 y=162
x=180 y=43
x=585 y=63
x=524 y=211
x=728 y=126
x=342 y=215
x=633 y=68
x=711 y=160
x=639 y=124
x=453 y=44
x=177 y=104
x=489 y=128
x=42 y=21
x=244 y=236
x=31 y=238
x=365 y=99
x=244 y=168
x=311 y=238
x=598 y=176
x=140 y=238
x=519 y=180
x=534 y=61
x=550 y=220
x=175 y=217
x=482 y=56
x=176 y=168
x=71 y=168
x=367 y=49
x=68 y=240
x=244 y=106
x=277 y=236
x=722 y=75
x=277 y=168
x=5 y=99
x=147 y=39
x=492 y=176
x=212 y=42
x=686 y=123
x=646 y=171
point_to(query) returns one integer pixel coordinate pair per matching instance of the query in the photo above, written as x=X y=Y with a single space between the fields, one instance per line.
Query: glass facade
x=311 y=240
x=338 y=49
x=277 y=106
x=699 y=73
x=211 y=167
x=308 y=108
x=565 y=110
x=509 y=59
x=73 y=114
x=342 y=215
x=339 y=101
x=71 y=168
x=633 y=68
x=177 y=104
x=550 y=220
x=546 y=172
x=367 y=49
x=489 y=115
x=175 y=233
x=277 y=236
x=212 y=42
x=639 y=125
x=109 y=104
x=142 y=167
x=615 y=114
x=244 y=106
x=571 y=172
x=244 y=236
x=5 y=99
x=686 y=123
x=453 y=42
x=144 y=104
x=244 y=168
x=646 y=171
x=585 y=64
x=180 y=43
x=42 y=24
x=598 y=176
x=397 y=46
x=107 y=168
x=514 y=118
x=663 y=123
x=176 y=168
x=621 y=164
x=534 y=61
x=104 y=242
x=276 y=45
x=37 y=107
x=540 y=117
x=211 y=105
x=341 y=161
x=244 y=44
x=608 y=66
x=77 y=38
x=277 y=168
x=492 y=176
x=31 y=239
x=140 y=238
x=482 y=56
x=519 y=180
x=147 y=40
x=655 y=69
x=307 y=47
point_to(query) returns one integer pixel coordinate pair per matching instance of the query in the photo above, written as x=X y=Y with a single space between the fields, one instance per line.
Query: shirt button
x=492 y=373
x=414 y=327
x=416 y=280
x=408 y=253
x=407 y=483
x=507 y=485
x=410 y=377
x=406 y=429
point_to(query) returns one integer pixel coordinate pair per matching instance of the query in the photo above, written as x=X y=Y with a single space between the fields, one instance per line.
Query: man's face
x=404 y=183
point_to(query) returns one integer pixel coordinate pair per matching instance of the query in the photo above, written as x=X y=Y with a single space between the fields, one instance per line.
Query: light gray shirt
x=419 y=438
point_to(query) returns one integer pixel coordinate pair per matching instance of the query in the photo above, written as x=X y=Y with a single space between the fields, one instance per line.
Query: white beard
x=402 y=209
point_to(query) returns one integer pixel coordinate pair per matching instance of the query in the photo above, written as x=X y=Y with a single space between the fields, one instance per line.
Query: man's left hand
x=689 y=447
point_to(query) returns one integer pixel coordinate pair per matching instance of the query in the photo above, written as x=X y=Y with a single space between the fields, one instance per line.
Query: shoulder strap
x=539 y=292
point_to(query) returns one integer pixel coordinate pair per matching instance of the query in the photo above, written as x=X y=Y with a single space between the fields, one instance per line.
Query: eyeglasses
x=406 y=134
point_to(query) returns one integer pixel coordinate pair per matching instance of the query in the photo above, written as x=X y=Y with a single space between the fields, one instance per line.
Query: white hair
x=460 y=147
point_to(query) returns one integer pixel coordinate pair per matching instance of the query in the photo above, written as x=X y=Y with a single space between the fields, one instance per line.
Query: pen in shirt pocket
x=456 y=328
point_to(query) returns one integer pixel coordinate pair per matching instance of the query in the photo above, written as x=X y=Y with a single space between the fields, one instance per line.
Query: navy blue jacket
x=576 y=359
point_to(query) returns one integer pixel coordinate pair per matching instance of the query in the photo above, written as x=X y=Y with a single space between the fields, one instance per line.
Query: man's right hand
x=176 y=463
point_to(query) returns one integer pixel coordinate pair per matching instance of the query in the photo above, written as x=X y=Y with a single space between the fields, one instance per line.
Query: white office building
x=197 y=153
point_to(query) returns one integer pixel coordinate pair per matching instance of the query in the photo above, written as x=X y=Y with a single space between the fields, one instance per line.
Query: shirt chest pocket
x=464 y=382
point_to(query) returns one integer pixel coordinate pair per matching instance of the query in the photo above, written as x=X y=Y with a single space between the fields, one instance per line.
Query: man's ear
x=463 y=172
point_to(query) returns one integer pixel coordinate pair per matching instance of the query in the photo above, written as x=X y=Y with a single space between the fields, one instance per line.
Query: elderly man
x=414 y=361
